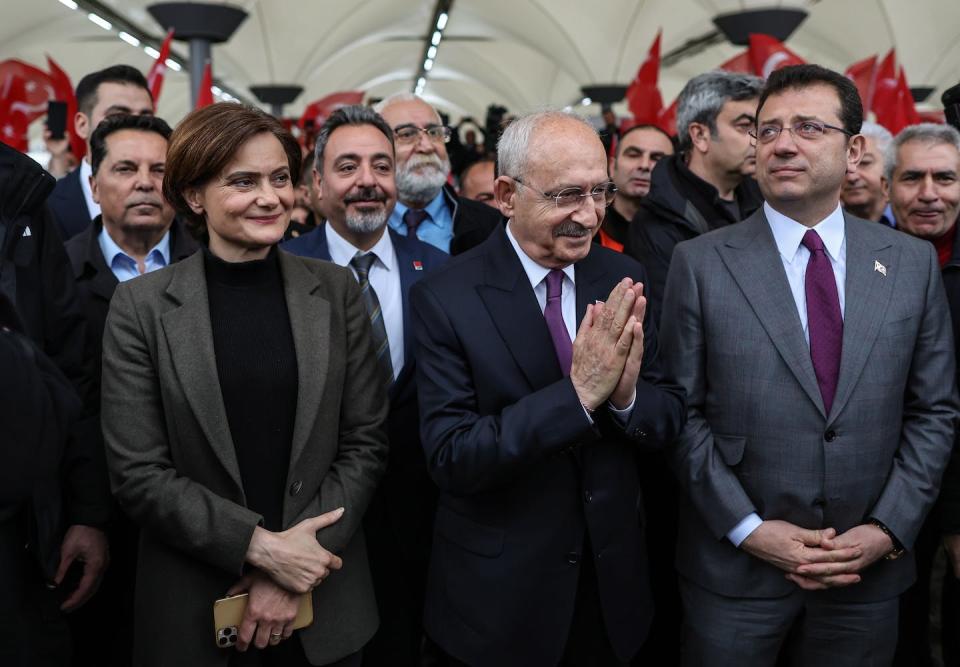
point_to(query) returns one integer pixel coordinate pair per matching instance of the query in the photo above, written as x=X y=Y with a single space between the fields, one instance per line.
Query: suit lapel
x=102 y=281
x=190 y=339
x=867 y=294
x=513 y=307
x=754 y=262
x=591 y=286
x=310 y=323
x=406 y=256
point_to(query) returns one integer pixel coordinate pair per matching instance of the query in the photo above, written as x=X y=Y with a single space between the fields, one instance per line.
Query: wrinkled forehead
x=928 y=155
x=416 y=112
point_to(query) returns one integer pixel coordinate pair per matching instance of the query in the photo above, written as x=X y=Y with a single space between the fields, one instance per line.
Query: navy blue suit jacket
x=526 y=482
x=69 y=206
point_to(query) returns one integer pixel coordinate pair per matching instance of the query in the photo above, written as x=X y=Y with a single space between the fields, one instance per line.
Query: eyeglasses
x=571 y=198
x=409 y=134
x=811 y=130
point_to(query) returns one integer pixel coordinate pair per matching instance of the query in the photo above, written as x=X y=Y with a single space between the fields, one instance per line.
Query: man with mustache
x=118 y=89
x=862 y=192
x=135 y=233
x=816 y=352
x=540 y=385
x=354 y=187
x=638 y=151
x=704 y=186
x=922 y=182
x=427 y=207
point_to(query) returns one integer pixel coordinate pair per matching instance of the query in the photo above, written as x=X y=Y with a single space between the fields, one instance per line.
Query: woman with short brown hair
x=242 y=412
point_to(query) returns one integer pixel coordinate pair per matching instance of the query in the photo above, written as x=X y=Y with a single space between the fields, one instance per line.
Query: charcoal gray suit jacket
x=174 y=469
x=757 y=437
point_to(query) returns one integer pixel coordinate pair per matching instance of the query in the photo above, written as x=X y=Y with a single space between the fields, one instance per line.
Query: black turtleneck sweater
x=257 y=368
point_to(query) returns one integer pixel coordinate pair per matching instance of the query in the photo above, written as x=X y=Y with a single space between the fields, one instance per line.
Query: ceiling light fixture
x=102 y=22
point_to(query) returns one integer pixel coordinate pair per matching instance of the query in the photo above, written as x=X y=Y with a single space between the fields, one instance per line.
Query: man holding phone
x=116 y=89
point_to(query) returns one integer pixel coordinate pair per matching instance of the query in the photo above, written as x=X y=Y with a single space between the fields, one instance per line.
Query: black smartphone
x=57 y=119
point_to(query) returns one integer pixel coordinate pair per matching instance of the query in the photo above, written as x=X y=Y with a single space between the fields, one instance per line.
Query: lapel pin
x=879 y=268
x=417 y=265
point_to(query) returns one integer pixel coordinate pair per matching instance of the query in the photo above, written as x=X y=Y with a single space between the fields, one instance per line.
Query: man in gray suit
x=816 y=352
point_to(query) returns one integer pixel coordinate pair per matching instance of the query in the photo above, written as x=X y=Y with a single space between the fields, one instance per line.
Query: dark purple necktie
x=553 y=313
x=412 y=219
x=824 y=321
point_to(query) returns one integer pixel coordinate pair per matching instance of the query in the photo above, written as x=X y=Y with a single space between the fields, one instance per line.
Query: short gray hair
x=928 y=133
x=513 y=145
x=396 y=98
x=355 y=114
x=703 y=97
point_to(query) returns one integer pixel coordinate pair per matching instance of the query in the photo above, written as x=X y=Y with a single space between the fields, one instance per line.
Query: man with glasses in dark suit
x=540 y=384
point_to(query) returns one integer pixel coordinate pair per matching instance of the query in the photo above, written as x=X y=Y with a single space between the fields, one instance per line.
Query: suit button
x=587 y=497
x=573 y=558
x=830 y=436
x=295 y=487
x=640 y=433
x=819 y=502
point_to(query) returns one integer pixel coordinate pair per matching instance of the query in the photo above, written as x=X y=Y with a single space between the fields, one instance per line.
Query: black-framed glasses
x=410 y=133
x=811 y=130
x=571 y=198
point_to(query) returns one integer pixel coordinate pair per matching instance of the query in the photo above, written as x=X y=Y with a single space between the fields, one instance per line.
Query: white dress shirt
x=788 y=234
x=384 y=278
x=537 y=275
x=86 y=171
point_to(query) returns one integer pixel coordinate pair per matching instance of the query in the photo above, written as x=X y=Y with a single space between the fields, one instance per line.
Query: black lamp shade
x=604 y=94
x=276 y=94
x=779 y=23
x=198 y=20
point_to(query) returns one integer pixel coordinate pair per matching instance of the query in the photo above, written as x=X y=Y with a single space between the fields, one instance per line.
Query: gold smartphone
x=228 y=613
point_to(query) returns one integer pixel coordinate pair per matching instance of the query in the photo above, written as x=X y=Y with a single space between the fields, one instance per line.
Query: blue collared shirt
x=123 y=266
x=437 y=227
x=788 y=234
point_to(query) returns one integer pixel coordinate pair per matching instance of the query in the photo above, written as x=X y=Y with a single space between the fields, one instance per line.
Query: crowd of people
x=569 y=399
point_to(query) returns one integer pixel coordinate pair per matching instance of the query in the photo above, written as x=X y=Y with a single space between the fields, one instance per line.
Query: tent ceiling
x=523 y=54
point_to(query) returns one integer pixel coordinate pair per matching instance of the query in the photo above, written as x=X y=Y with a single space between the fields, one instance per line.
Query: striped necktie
x=361 y=264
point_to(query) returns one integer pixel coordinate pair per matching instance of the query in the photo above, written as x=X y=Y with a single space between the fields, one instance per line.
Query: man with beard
x=705 y=186
x=862 y=193
x=922 y=181
x=427 y=207
x=638 y=151
x=353 y=180
x=134 y=233
x=540 y=384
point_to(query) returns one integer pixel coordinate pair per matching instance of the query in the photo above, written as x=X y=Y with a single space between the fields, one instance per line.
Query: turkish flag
x=14 y=122
x=205 y=93
x=884 y=100
x=769 y=54
x=903 y=112
x=63 y=91
x=24 y=93
x=739 y=63
x=319 y=110
x=159 y=69
x=863 y=73
x=667 y=119
x=643 y=95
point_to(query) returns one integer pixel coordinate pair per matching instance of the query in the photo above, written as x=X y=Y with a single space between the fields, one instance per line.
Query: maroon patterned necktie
x=553 y=313
x=824 y=321
x=412 y=219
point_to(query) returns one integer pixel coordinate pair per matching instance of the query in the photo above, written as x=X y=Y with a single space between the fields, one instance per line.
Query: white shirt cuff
x=743 y=529
x=622 y=415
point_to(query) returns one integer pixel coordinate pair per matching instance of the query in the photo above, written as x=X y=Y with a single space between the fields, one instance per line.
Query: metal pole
x=199 y=55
